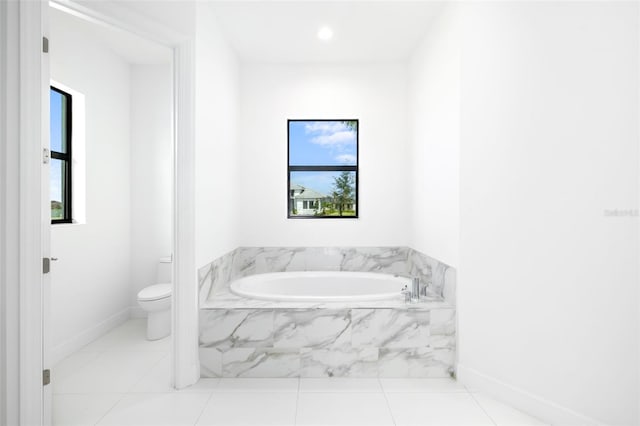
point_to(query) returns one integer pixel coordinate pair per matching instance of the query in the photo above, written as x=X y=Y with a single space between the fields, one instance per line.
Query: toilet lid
x=155 y=292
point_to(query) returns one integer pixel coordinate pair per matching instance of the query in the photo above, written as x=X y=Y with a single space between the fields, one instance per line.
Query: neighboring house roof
x=296 y=187
x=307 y=193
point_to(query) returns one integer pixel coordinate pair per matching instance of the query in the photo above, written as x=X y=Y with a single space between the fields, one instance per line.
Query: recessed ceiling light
x=325 y=33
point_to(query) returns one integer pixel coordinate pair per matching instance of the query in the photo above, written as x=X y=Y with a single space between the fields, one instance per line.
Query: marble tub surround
x=242 y=337
x=214 y=278
x=260 y=260
x=327 y=342
x=441 y=278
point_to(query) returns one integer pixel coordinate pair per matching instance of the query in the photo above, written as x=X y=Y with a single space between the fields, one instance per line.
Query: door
x=47 y=391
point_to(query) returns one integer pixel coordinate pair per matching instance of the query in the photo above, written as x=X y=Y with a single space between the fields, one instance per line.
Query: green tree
x=343 y=190
x=351 y=124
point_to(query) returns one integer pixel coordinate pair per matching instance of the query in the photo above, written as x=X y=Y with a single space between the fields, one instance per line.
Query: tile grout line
x=481 y=407
x=384 y=393
x=204 y=407
x=149 y=369
x=74 y=372
x=295 y=417
x=122 y=395
x=100 y=353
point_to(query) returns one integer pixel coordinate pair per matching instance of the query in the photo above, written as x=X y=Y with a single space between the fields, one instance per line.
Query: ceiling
x=276 y=31
x=130 y=47
x=364 y=31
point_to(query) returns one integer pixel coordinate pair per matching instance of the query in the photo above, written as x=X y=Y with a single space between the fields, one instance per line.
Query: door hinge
x=45 y=45
x=46 y=155
x=46 y=377
x=46 y=265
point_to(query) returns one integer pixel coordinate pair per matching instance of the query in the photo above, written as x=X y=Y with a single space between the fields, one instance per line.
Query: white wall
x=434 y=123
x=151 y=172
x=548 y=284
x=216 y=140
x=91 y=280
x=374 y=94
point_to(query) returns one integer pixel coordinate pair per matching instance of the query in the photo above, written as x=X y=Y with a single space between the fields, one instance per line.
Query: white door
x=47 y=390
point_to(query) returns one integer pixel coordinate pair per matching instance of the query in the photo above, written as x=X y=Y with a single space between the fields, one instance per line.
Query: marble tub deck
x=225 y=299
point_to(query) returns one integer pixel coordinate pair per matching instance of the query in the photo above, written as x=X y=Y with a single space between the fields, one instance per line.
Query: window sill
x=66 y=224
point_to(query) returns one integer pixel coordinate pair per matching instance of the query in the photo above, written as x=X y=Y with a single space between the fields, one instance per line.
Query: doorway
x=25 y=356
x=111 y=177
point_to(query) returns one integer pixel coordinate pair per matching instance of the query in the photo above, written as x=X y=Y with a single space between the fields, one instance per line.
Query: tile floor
x=122 y=379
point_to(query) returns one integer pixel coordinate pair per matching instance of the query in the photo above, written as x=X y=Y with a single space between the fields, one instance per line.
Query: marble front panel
x=416 y=362
x=390 y=328
x=343 y=362
x=327 y=343
x=236 y=328
x=443 y=328
x=210 y=362
x=316 y=328
x=260 y=362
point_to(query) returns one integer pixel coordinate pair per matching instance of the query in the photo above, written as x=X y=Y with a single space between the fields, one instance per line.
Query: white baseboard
x=537 y=406
x=137 y=312
x=62 y=350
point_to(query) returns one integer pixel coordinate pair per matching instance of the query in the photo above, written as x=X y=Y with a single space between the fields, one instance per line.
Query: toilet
x=156 y=301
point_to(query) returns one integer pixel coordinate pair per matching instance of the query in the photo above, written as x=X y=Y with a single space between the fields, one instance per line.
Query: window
x=322 y=169
x=60 y=170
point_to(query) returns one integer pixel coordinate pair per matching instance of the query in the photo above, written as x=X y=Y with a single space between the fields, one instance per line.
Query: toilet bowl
x=156 y=302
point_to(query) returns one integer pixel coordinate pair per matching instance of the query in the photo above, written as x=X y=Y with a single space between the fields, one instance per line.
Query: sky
x=320 y=143
x=55 y=129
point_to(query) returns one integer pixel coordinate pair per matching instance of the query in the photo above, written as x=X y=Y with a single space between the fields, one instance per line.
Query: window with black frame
x=322 y=169
x=60 y=164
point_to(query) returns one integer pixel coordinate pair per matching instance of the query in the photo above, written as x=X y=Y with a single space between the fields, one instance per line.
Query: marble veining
x=442 y=328
x=440 y=277
x=242 y=337
x=416 y=362
x=390 y=328
x=318 y=328
x=214 y=278
x=260 y=362
x=327 y=343
x=361 y=362
x=236 y=328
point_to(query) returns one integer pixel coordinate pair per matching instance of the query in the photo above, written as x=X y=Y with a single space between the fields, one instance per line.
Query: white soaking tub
x=320 y=286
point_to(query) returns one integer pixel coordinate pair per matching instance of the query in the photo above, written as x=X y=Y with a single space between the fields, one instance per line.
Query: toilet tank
x=164 y=270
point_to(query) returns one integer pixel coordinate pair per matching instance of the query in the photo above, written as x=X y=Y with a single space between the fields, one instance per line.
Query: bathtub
x=320 y=286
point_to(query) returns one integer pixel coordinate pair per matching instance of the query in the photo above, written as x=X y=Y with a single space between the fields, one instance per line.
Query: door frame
x=23 y=283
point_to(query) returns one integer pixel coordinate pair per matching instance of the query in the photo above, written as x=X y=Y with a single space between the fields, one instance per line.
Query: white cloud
x=346 y=158
x=324 y=127
x=345 y=137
